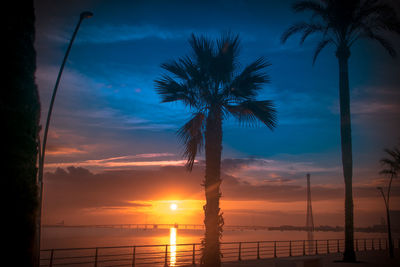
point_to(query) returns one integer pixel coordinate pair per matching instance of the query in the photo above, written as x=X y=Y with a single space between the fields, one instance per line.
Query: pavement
x=364 y=259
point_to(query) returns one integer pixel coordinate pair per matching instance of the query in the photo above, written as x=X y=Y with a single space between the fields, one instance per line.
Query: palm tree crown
x=391 y=164
x=208 y=83
x=342 y=22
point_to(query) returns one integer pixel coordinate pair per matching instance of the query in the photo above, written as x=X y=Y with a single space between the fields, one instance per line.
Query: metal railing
x=189 y=254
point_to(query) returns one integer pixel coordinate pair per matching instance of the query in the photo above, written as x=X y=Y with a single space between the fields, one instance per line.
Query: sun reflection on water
x=172 y=243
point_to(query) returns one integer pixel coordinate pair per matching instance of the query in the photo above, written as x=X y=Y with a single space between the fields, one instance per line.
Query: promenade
x=376 y=258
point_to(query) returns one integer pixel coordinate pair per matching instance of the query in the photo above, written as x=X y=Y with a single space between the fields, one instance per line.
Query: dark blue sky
x=107 y=105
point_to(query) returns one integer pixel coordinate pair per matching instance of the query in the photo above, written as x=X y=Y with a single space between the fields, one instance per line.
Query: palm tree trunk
x=391 y=250
x=343 y=54
x=19 y=104
x=213 y=219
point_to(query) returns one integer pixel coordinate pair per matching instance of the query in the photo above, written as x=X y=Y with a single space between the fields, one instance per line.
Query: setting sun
x=173 y=206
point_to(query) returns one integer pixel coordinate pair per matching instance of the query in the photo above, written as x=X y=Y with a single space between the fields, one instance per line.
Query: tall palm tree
x=341 y=23
x=391 y=167
x=208 y=83
x=20 y=108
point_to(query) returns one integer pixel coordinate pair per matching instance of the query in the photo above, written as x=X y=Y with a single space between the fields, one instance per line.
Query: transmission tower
x=310 y=219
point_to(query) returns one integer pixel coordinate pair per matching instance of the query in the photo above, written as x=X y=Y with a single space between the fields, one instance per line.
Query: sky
x=112 y=152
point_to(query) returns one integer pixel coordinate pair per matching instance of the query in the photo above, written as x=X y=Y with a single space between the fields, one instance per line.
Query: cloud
x=373 y=100
x=116 y=196
x=123 y=186
x=123 y=162
x=261 y=171
x=118 y=33
x=374 y=107
x=62 y=150
x=113 y=33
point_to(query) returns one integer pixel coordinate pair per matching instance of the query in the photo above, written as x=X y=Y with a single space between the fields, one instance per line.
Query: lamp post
x=42 y=149
x=386 y=200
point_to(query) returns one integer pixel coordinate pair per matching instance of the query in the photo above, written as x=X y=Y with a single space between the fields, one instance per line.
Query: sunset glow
x=172 y=243
x=113 y=156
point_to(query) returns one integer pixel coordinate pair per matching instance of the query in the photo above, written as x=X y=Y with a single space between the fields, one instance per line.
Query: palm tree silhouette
x=341 y=23
x=391 y=167
x=207 y=82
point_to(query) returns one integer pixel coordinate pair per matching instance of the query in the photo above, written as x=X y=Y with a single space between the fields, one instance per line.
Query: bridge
x=150 y=226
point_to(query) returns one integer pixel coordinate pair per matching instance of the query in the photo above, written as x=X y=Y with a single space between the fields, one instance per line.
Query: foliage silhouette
x=20 y=107
x=341 y=23
x=208 y=83
x=391 y=168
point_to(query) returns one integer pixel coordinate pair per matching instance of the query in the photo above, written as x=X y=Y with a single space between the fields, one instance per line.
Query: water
x=64 y=237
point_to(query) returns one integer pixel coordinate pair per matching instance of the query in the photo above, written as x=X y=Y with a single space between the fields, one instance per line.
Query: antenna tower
x=310 y=219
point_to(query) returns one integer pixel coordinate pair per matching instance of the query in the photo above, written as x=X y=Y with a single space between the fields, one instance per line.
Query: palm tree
x=20 y=108
x=208 y=83
x=391 y=167
x=341 y=23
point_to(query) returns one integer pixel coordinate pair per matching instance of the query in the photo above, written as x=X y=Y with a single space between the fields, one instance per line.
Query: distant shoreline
x=326 y=228
x=322 y=228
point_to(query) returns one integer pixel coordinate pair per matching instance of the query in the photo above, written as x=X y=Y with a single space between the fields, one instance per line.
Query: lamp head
x=86 y=14
x=379 y=188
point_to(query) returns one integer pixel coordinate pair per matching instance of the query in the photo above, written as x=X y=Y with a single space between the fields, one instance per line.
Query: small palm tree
x=391 y=168
x=208 y=83
x=341 y=23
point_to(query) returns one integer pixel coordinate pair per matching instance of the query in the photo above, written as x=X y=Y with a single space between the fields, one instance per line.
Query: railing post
x=327 y=246
x=380 y=245
x=316 y=247
x=51 y=258
x=258 y=250
x=95 y=257
x=304 y=247
x=338 y=246
x=365 y=244
x=240 y=251
x=194 y=254
x=290 y=248
x=133 y=256
x=166 y=256
x=386 y=243
x=274 y=249
x=373 y=248
x=356 y=244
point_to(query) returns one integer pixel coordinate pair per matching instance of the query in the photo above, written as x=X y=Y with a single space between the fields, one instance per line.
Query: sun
x=173 y=206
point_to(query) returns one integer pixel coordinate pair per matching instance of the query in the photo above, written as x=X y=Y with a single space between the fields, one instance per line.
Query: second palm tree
x=341 y=23
x=206 y=83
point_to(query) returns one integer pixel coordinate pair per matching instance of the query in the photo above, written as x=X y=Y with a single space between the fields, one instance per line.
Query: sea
x=82 y=237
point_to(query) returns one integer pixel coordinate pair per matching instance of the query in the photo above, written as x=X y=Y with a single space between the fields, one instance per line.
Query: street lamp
x=42 y=150
x=386 y=200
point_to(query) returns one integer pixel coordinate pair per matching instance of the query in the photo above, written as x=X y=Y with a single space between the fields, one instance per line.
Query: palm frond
x=313 y=6
x=249 y=81
x=191 y=135
x=176 y=68
x=171 y=90
x=203 y=49
x=224 y=62
x=378 y=14
x=250 y=112
x=382 y=41
x=321 y=45
x=312 y=28
x=391 y=164
x=296 y=28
